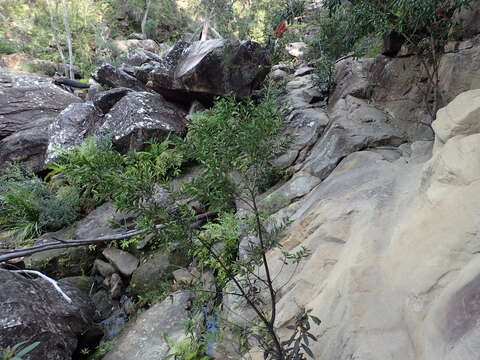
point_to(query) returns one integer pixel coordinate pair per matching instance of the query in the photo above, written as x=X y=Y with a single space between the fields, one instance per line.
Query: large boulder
x=132 y=118
x=140 y=116
x=32 y=310
x=70 y=128
x=19 y=106
x=204 y=69
x=148 y=337
x=28 y=104
x=28 y=145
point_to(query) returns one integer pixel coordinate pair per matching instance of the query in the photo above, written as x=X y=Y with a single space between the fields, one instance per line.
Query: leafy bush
x=93 y=167
x=225 y=232
x=228 y=140
x=29 y=207
x=187 y=349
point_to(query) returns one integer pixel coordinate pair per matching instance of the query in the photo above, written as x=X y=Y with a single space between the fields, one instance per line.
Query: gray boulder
x=109 y=76
x=20 y=106
x=124 y=262
x=147 y=337
x=151 y=273
x=70 y=128
x=140 y=116
x=32 y=310
x=132 y=119
x=204 y=69
x=28 y=146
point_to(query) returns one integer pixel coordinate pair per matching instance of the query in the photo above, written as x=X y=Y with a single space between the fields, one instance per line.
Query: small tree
x=234 y=142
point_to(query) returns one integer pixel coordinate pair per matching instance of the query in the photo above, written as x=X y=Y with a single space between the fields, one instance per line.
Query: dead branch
x=63 y=244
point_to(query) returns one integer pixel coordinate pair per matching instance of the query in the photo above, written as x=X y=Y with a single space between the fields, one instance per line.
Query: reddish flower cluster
x=280 y=29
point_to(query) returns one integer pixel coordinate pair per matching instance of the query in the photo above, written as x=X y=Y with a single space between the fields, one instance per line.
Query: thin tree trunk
x=69 y=38
x=145 y=17
x=55 y=37
x=206 y=25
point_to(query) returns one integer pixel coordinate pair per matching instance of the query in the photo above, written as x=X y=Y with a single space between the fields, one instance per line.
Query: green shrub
x=29 y=207
x=227 y=140
x=93 y=167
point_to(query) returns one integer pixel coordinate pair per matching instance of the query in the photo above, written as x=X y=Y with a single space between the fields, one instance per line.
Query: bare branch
x=63 y=244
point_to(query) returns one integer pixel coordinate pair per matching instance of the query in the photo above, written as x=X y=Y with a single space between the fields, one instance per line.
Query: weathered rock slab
x=32 y=310
x=124 y=262
x=147 y=338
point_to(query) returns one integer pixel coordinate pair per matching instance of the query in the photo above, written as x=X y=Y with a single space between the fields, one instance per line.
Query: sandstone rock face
x=460 y=117
x=394 y=236
x=147 y=337
x=32 y=310
x=204 y=69
x=355 y=125
x=460 y=70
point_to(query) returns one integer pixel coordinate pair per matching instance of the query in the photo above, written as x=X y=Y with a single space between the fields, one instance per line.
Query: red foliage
x=280 y=29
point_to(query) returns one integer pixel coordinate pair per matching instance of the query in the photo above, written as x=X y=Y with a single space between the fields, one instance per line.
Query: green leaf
x=28 y=349
x=308 y=351
x=316 y=320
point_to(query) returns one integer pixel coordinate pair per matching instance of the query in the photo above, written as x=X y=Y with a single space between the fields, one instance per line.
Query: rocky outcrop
x=32 y=310
x=393 y=234
x=199 y=70
x=460 y=69
x=129 y=118
x=20 y=106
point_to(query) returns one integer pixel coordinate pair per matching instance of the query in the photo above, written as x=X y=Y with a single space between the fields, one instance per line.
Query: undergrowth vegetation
x=29 y=206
